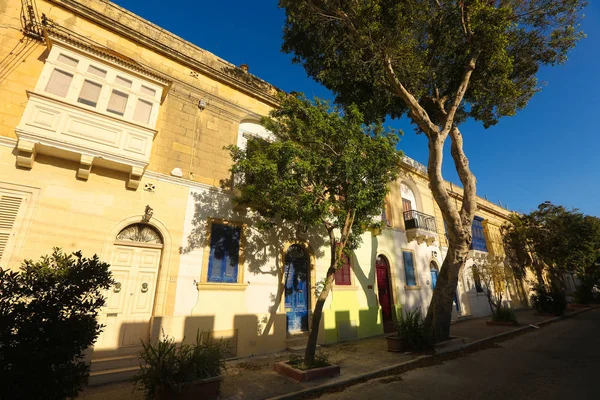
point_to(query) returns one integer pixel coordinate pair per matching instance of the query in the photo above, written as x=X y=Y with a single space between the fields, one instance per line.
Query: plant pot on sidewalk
x=396 y=343
x=304 y=375
x=206 y=389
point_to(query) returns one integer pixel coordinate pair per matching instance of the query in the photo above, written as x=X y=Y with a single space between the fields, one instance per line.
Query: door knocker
x=117 y=287
x=144 y=287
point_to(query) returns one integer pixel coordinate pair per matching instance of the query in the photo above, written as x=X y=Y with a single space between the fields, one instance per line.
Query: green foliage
x=168 y=365
x=584 y=293
x=412 y=330
x=321 y=360
x=565 y=240
x=345 y=46
x=47 y=319
x=324 y=166
x=548 y=300
x=504 y=314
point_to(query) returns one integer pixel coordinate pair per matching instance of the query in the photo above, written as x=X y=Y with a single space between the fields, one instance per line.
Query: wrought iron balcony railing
x=417 y=220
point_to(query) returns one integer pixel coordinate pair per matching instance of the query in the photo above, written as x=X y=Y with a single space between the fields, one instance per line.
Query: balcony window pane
x=148 y=91
x=59 y=83
x=142 y=111
x=117 y=102
x=123 y=81
x=70 y=61
x=90 y=92
x=97 y=71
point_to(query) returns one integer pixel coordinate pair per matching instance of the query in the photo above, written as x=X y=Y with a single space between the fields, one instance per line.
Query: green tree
x=47 y=319
x=440 y=63
x=325 y=170
x=562 y=239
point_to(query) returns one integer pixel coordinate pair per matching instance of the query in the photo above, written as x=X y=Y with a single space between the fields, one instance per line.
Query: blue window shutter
x=409 y=268
x=478 y=236
x=224 y=253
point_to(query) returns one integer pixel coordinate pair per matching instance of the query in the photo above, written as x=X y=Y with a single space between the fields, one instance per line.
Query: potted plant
x=181 y=372
x=410 y=335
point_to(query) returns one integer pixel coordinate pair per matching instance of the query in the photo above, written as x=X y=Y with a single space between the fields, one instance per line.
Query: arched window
x=434 y=273
x=409 y=201
x=140 y=233
x=252 y=129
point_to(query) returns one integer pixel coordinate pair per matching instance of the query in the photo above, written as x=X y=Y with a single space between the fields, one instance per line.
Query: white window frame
x=250 y=129
x=80 y=73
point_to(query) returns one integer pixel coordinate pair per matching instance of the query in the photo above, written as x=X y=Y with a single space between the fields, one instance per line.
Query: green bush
x=168 y=365
x=505 y=314
x=47 y=319
x=411 y=329
x=551 y=301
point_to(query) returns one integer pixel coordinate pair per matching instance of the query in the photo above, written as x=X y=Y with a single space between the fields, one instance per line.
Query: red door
x=385 y=296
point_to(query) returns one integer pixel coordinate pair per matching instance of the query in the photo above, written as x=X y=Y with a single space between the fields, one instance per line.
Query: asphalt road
x=559 y=361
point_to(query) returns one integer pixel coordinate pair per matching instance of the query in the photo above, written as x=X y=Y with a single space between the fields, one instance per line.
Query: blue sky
x=549 y=151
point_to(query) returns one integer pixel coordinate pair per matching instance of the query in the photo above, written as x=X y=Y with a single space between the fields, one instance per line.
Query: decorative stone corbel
x=25 y=153
x=85 y=166
x=135 y=177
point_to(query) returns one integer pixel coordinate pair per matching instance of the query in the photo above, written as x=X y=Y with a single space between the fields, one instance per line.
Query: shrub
x=167 y=365
x=47 y=319
x=547 y=300
x=321 y=360
x=504 y=314
x=411 y=329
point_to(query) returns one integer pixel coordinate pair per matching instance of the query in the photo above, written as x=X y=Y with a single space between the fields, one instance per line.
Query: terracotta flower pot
x=395 y=343
x=206 y=389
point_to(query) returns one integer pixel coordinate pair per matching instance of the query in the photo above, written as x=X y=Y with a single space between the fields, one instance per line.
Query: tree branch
x=469 y=201
x=419 y=114
x=460 y=93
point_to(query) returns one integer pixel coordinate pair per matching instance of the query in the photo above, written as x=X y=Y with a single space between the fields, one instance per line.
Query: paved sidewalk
x=253 y=378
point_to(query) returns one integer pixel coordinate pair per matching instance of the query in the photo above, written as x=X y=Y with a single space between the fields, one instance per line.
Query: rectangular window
x=409 y=268
x=224 y=253
x=70 y=61
x=97 y=71
x=148 y=91
x=342 y=275
x=90 y=92
x=123 y=81
x=478 y=236
x=59 y=83
x=142 y=111
x=10 y=205
x=477 y=279
x=117 y=102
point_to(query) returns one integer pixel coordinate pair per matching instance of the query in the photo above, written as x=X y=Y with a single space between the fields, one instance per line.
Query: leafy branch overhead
x=323 y=168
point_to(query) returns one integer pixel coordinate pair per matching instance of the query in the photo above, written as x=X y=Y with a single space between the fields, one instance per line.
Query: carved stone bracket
x=25 y=154
x=85 y=166
x=135 y=176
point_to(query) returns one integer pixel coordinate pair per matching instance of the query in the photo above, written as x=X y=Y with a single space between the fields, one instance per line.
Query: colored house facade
x=111 y=142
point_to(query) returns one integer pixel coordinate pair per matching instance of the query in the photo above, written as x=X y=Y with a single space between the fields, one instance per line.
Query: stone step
x=109 y=363
x=112 y=375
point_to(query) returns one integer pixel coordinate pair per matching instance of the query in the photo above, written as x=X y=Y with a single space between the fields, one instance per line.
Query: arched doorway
x=382 y=267
x=434 y=273
x=134 y=265
x=297 y=288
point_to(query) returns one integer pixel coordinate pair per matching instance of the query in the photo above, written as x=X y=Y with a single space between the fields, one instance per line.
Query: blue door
x=296 y=288
x=434 y=274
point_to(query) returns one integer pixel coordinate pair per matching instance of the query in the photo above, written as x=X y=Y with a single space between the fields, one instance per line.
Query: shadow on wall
x=261 y=248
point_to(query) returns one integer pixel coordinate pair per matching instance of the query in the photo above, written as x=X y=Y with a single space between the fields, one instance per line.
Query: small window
x=123 y=81
x=478 y=235
x=97 y=71
x=117 y=102
x=142 y=112
x=477 y=279
x=59 y=83
x=90 y=92
x=70 y=61
x=224 y=253
x=148 y=91
x=409 y=268
x=342 y=275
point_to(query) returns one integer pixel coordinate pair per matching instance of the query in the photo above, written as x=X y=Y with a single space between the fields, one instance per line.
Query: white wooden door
x=128 y=309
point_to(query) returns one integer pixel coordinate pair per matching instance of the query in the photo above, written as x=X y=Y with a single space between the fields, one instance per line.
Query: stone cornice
x=7 y=142
x=190 y=55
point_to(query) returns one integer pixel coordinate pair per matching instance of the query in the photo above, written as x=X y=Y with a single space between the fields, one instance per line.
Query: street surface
x=560 y=361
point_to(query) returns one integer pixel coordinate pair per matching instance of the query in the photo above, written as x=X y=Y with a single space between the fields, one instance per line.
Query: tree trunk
x=311 y=345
